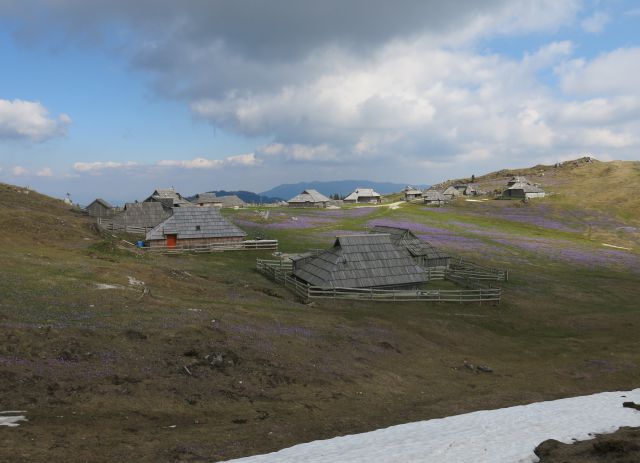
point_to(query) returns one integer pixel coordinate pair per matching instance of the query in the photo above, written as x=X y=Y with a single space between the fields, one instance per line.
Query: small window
x=197 y=227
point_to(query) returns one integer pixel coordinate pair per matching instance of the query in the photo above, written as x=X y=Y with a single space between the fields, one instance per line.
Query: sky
x=113 y=98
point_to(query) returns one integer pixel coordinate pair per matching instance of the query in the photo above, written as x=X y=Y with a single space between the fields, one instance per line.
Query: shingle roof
x=527 y=188
x=309 y=196
x=434 y=195
x=168 y=196
x=409 y=190
x=364 y=192
x=518 y=179
x=231 y=201
x=102 y=202
x=360 y=261
x=405 y=239
x=452 y=191
x=143 y=215
x=196 y=222
x=206 y=198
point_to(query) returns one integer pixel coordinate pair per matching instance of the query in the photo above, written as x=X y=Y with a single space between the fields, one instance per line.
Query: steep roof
x=409 y=190
x=364 y=192
x=527 y=188
x=206 y=198
x=405 y=239
x=518 y=179
x=195 y=222
x=452 y=191
x=434 y=195
x=231 y=201
x=360 y=261
x=102 y=202
x=168 y=196
x=143 y=215
x=309 y=196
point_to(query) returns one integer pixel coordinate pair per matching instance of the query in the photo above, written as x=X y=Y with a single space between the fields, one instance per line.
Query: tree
x=473 y=177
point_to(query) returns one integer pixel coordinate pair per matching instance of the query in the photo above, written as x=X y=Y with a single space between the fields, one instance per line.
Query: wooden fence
x=465 y=268
x=108 y=224
x=248 y=245
x=280 y=272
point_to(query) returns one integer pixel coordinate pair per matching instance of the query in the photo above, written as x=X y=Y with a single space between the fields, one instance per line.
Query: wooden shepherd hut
x=523 y=191
x=232 y=201
x=194 y=226
x=360 y=261
x=422 y=252
x=207 y=200
x=434 y=198
x=309 y=198
x=169 y=197
x=452 y=193
x=411 y=193
x=364 y=195
x=142 y=215
x=100 y=208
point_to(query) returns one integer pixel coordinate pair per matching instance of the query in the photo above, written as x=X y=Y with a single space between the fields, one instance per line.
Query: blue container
x=140 y=244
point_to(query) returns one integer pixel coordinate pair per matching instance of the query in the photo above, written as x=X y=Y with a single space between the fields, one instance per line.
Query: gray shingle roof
x=433 y=195
x=196 y=222
x=101 y=202
x=168 y=196
x=309 y=196
x=518 y=179
x=360 y=261
x=206 y=198
x=362 y=192
x=405 y=239
x=143 y=215
x=232 y=201
x=527 y=188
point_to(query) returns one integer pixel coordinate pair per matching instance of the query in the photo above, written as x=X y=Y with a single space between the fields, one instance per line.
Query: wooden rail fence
x=280 y=272
x=248 y=245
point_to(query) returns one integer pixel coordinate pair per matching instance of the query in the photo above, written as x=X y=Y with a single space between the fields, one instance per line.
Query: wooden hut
x=518 y=179
x=232 y=201
x=422 y=252
x=142 y=215
x=207 y=200
x=364 y=195
x=194 y=226
x=169 y=197
x=411 y=193
x=452 y=193
x=309 y=198
x=100 y=208
x=360 y=261
x=434 y=198
x=523 y=191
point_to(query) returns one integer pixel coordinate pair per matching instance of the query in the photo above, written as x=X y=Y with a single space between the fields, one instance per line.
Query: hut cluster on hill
x=521 y=188
x=313 y=198
x=168 y=219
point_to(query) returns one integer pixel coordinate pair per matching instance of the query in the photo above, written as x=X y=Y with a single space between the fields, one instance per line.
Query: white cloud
x=98 y=166
x=19 y=171
x=248 y=159
x=29 y=120
x=44 y=172
x=596 y=22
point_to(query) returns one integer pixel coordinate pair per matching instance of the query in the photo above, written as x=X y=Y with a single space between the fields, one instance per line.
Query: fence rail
x=255 y=245
x=108 y=224
x=472 y=270
x=280 y=272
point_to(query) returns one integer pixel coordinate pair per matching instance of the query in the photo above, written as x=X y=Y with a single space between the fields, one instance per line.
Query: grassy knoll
x=216 y=362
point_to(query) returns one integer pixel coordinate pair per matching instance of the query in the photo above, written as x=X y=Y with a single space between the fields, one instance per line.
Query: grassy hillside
x=212 y=361
x=585 y=183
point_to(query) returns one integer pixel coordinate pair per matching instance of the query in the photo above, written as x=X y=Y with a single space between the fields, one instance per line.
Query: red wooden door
x=172 y=240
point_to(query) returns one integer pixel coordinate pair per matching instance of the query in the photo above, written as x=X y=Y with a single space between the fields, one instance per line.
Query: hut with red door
x=191 y=227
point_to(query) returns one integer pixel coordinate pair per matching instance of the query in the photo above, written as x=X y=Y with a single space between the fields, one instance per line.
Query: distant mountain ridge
x=246 y=196
x=342 y=187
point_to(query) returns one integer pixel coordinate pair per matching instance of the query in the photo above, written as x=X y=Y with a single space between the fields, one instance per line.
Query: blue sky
x=112 y=98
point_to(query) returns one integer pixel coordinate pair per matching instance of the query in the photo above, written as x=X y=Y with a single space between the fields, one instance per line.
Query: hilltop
x=584 y=183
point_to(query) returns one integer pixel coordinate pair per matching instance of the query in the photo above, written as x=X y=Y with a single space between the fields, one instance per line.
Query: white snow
x=11 y=420
x=616 y=247
x=507 y=435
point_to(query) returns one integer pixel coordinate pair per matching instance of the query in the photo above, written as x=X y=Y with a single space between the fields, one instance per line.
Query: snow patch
x=134 y=282
x=11 y=420
x=507 y=435
x=617 y=247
